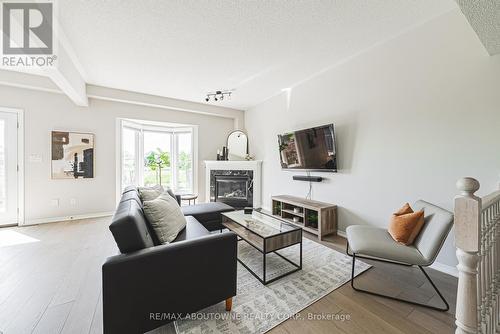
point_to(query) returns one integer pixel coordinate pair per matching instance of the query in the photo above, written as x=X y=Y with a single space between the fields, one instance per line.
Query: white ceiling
x=484 y=17
x=185 y=48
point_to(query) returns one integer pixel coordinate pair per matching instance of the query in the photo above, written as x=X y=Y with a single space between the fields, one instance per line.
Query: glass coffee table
x=267 y=234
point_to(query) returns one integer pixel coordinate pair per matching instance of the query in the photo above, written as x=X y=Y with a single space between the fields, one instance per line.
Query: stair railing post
x=467 y=234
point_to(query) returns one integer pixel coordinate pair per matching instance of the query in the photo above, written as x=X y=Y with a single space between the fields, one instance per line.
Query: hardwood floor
x=53 y=285
x=372 y=314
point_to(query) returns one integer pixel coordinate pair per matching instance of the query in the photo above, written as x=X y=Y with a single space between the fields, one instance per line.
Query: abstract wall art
x=72 y=155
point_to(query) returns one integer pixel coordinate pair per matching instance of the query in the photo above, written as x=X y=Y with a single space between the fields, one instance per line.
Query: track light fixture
x=219 y=95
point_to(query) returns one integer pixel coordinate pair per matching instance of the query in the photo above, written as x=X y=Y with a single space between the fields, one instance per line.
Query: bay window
x=158 y=154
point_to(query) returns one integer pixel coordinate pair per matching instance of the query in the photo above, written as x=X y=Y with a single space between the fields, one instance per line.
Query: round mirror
x=237 y=145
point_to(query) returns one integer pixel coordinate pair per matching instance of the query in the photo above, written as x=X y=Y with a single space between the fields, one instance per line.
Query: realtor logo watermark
x=28 y=34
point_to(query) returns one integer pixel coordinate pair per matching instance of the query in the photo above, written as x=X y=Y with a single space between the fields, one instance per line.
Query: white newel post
x=467 y=229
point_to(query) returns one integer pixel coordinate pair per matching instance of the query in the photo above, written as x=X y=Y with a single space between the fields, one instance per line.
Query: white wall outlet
x=54 y=202
x=35 y=158
x=72 y=201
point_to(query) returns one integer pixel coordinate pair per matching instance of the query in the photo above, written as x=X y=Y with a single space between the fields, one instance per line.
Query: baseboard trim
x=66 y=218
x=444 y=268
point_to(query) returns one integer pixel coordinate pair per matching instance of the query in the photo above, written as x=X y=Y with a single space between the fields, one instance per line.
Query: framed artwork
x=72 y=155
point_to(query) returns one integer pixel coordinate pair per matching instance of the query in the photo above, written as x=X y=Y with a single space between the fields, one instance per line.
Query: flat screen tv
x=311 y=149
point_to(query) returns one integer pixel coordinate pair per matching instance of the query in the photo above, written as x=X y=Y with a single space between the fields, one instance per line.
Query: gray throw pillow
x=150 y=193
x=165 y=216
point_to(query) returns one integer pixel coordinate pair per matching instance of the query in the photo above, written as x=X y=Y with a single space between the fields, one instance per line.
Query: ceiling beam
x=123 y=96
x=46 y=84
x=68 y=78
x=66 y=72
x=28 y=81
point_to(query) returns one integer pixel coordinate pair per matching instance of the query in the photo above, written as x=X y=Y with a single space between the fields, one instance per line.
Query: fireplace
x=233 y=187
x=238 y=182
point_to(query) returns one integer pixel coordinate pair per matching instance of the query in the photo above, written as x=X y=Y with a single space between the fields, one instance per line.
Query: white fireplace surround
x=253 y=165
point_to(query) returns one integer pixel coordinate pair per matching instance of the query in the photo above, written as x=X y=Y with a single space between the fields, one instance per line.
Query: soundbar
x=308 y=178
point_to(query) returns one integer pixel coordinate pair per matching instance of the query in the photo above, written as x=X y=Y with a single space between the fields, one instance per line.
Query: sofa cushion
x=129 y=188
x=165 y=216
x=194 y=229
x=129 y=227
x=377 y=242
x=209 y=214
x=131 y=194
x=170 y=192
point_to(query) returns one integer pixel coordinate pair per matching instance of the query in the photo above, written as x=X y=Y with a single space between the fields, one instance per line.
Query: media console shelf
x=315 y=217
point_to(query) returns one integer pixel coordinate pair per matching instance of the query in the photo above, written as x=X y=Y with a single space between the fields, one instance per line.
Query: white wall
x=44 y=112
x=412 y=116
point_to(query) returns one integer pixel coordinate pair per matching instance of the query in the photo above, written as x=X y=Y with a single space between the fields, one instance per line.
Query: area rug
x=257 y=308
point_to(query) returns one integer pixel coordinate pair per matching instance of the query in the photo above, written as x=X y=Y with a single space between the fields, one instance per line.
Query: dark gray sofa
x=208 y=214
x=148 y=283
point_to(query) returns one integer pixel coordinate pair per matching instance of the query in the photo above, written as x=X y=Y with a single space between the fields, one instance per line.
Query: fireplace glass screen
x=232 y=188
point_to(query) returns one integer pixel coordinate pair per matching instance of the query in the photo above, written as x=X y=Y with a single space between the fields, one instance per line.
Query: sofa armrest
x=172 y=279
x=178 y=198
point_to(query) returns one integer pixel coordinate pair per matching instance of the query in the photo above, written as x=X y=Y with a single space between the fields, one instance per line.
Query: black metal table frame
x=264 y=253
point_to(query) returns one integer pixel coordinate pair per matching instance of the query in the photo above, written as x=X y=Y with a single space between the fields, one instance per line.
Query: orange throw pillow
x=404 y=210
x=405 y=225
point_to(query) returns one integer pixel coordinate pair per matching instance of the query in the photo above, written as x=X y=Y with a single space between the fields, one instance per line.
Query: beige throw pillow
x=165 y=216
x=150 y=193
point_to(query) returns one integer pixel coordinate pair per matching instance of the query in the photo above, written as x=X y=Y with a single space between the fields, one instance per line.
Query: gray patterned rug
x=258 y=308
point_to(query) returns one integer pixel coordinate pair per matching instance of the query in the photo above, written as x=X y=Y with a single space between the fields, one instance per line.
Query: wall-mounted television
x=311 y=149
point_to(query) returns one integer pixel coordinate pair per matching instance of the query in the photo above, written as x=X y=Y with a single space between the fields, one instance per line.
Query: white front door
x=8 y=169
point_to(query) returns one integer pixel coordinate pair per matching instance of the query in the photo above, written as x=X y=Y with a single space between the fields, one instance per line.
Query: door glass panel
x=8 y=169
x=2 y=167
x=129 y=168
x=157 y=158
x=184 y=163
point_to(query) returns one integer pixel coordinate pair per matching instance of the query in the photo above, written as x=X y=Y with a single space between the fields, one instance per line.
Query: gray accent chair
x=376 y=243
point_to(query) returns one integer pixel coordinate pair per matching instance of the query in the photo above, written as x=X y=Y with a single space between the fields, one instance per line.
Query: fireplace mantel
x=253 y=165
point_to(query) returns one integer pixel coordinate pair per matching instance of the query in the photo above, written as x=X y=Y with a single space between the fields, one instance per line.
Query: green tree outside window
x=156 y=160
